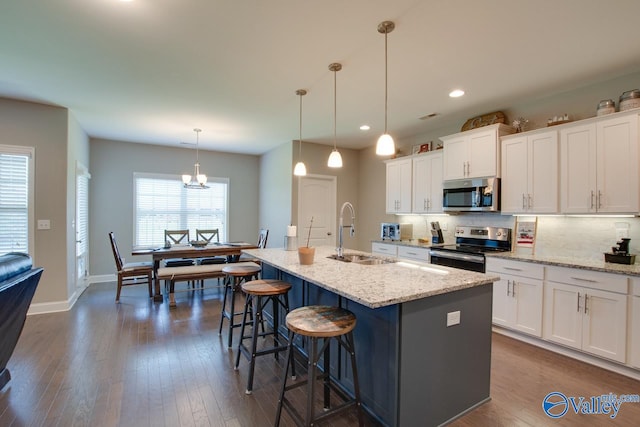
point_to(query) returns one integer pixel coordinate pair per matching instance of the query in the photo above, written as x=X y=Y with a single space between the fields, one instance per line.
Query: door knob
x=328 y=233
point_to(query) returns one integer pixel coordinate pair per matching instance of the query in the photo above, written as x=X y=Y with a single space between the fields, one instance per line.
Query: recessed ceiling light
x=456 y=93
x=365 y=127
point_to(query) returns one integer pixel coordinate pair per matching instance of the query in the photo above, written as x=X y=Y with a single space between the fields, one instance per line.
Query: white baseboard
x=103 y=278
x=56 y=306
x=574 y=354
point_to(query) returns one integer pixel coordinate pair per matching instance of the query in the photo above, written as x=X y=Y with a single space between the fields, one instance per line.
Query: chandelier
x=201 y=179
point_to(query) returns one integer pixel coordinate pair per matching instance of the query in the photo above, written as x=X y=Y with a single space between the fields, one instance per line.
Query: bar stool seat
x=327 y=323
x=258 y=294
x=235 y=274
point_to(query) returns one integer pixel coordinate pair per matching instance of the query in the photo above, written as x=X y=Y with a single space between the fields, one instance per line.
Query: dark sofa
x=18 y=282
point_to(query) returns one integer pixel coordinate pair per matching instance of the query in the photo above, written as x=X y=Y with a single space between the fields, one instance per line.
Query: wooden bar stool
x=235 y=274
x=329 y=323
x=258 y=294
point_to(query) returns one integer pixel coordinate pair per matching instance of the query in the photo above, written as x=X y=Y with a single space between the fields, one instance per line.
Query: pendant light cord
x=300 y=137
x=335 y=107
x=386 y=91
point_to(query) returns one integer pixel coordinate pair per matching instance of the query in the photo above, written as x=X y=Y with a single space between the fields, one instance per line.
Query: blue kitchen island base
x=413 y=368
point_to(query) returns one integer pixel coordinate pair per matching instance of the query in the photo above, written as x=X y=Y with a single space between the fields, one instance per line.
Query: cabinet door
x=482 y=154
x=514 y=175
x=421 y=181
x=435 y=183
x=455 y=158
x=634 y=333
x=427 y=183
x=502 y=306
x=399 y=186
x=617 y=167
x=385 y=249
x=604 y=324
x=563 y=314
x=578 y=169
x=543 y=173
x=526 y=296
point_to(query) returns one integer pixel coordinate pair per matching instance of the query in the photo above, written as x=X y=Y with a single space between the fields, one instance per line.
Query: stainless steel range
x=471 y=245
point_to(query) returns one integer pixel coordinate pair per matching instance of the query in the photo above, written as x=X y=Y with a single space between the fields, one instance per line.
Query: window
x=16 y=199
x=162 y=203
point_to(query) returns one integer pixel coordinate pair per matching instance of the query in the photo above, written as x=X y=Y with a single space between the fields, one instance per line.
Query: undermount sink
x=362 y=259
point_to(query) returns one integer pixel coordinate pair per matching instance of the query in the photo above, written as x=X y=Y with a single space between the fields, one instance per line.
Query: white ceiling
x=150 y=71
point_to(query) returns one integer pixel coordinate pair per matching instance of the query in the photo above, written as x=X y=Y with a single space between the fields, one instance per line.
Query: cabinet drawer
x=589 y=279
x=384 y=249
x=515 y=268
x=416 y=254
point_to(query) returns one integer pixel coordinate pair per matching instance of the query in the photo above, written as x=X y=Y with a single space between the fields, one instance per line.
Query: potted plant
x=306 y=253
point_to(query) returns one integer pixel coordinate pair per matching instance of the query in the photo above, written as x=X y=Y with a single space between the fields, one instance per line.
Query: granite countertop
x=572 y=262
x=373 y=285
x=414 y=243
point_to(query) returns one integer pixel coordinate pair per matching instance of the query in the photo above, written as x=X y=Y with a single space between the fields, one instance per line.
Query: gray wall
x=275 y=193
x=58 y=142
x=111 y=191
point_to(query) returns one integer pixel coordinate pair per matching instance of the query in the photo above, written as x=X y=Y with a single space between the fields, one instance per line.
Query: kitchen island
x=413 y=368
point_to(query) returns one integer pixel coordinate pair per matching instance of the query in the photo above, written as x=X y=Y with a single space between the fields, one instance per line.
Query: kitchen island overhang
x=412 y=366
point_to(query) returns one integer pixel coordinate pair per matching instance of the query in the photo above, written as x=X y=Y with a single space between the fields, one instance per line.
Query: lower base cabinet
x=580 y=315
x=517 y=296
x=634 y=332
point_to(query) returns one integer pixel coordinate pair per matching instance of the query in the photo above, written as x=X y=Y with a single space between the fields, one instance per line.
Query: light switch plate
x=44 y=224
x=453 y=318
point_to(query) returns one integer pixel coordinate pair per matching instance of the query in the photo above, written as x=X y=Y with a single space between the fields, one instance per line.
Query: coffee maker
x=436 y=233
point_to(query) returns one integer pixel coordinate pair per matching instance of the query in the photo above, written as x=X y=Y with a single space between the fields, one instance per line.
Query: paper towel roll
x=292 y=231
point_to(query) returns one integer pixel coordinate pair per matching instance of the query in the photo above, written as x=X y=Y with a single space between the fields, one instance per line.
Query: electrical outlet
x=453 y=318
x=444 y=226
x=44 y=224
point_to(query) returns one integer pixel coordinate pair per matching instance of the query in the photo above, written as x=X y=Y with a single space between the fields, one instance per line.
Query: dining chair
x=177 y=237
x=133 y=273
x=263 y=234
x=208 y=236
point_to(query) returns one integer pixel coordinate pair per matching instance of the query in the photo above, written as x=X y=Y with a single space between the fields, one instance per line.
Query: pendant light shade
x=201 y=179
x=385 y=145
x=335 y=159
x=300 y=169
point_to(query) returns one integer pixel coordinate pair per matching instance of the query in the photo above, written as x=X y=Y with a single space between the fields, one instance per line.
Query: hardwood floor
x=138 y=363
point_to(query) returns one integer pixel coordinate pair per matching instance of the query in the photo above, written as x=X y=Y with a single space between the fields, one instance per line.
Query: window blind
x=15 y=185
x=162 y=203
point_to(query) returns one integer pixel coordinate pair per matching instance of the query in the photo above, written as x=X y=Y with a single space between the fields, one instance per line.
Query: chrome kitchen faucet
x=352 y=231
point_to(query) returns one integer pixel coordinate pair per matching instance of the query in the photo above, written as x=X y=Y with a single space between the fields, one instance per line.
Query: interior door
x=82 y=226
x=317 y=199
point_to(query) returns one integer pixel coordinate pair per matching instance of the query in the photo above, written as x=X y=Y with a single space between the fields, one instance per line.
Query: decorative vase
x=305 y=255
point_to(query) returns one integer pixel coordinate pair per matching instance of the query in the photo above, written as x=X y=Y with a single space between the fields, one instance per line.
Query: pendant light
x=385 y=145
x=201 y=179
x=335 y=159
x=300 y=169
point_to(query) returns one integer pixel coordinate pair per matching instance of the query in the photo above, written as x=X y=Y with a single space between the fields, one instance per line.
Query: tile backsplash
x=583 y=237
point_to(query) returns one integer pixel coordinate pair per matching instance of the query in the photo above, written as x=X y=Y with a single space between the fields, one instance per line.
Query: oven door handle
x=479 y=259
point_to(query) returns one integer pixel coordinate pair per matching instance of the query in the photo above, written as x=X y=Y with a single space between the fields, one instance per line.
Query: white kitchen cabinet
x=517 y=296
x=399 y=179
x=427 y=183
x=414 y=253
x=634 y=331
x=530 y=173
x=384 y=249
x=599 y=166
x=579 y=313
x=474 y=153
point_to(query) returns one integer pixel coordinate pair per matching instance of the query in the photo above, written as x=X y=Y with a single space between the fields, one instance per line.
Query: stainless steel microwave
x=471 y=195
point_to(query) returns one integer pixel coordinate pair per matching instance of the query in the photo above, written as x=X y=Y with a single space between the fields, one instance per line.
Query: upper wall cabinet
x=399 y=185
x=599 y=165
x=427 y=183
x=474 y=153
x=530 y=173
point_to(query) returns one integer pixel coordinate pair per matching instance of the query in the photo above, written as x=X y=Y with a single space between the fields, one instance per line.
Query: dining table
x=231 y=250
